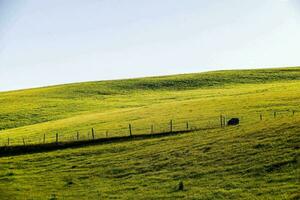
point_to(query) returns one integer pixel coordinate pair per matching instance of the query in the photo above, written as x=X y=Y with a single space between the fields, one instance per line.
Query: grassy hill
x=257 y=160
x=27 y=107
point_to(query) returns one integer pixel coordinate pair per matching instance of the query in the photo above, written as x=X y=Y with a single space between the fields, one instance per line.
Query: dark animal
x=180 y=186
x=233 y=122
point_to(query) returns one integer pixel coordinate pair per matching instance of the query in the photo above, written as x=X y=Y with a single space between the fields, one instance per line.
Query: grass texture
x=259 y=159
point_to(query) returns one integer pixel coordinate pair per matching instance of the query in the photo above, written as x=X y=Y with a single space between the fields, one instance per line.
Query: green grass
x=27 y=107
x=257 y=160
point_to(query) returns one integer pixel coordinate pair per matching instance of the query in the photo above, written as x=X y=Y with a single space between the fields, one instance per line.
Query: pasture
x=258 y=159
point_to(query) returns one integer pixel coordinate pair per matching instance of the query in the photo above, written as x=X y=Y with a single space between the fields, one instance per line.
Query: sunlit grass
x=201 y=107
x=259 y=159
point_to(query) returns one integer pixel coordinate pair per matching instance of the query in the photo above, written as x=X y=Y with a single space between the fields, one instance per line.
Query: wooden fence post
x=44 y=139
x=221 y=120
x=274 y=114
x=187 y=126
x=130 y=131
x=293 y=112
x=171 y=126
x=93 y=134
x=56 y=138
x=261 y=117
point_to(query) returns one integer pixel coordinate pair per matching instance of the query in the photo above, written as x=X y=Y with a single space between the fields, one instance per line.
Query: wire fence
x=130 y=129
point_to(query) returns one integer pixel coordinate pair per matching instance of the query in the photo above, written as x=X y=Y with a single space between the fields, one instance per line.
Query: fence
x=130 y=129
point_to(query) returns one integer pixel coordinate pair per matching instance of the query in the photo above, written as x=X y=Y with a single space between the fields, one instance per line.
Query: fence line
x=131 y=130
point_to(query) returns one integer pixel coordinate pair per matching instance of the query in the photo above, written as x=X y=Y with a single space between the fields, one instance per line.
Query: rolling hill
x=259 y=159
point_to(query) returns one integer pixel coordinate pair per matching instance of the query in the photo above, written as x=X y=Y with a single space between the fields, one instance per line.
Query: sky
x=53 y=42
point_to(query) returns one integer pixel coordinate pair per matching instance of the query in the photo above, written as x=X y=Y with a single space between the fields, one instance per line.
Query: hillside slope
x=111 y=105
x=27 y=107
x=259 y=159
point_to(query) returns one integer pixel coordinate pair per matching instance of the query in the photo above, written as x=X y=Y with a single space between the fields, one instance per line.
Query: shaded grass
x=45 y=147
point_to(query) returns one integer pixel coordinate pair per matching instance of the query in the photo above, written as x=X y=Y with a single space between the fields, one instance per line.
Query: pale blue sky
x=60 y=41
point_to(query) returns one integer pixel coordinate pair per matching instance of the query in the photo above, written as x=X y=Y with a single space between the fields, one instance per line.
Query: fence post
x=221 y=120
x=23 y=142
x=152 y=129
x=261 y=117
x=44 y=139
x=293 y=112
x=274 y=114
x=93 y=134
x=56 y=138
x=130 y=131
x=171 y=126
x=187 y=126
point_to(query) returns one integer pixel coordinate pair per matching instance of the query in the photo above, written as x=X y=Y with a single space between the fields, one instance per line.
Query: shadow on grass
x=38 y=148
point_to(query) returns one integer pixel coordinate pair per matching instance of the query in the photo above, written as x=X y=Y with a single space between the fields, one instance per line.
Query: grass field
x=256 y=160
